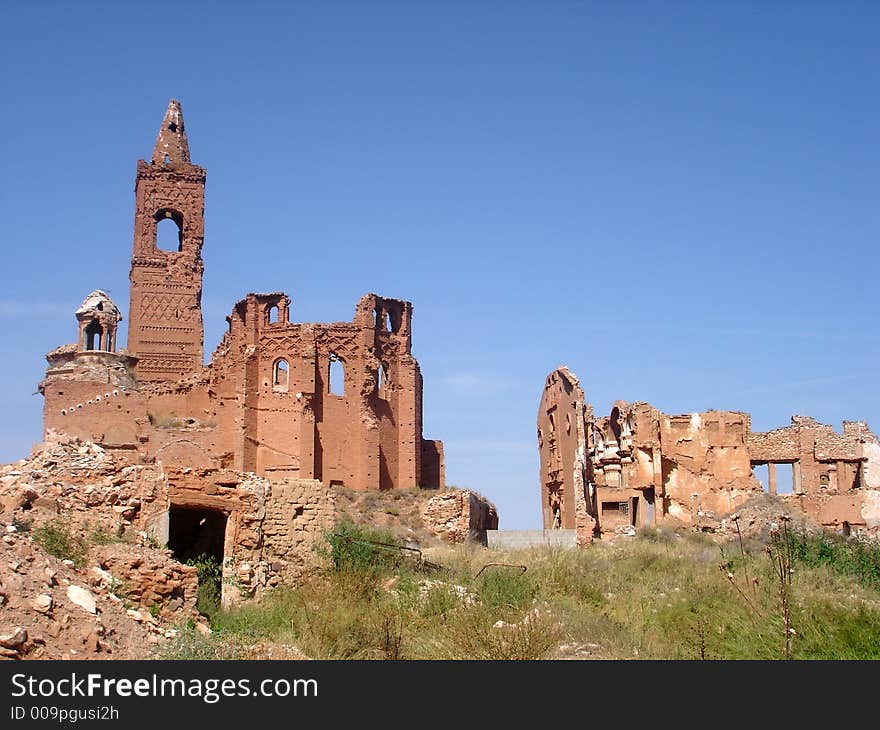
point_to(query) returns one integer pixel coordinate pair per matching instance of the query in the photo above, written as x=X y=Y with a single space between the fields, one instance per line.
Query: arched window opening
x=93 y=334
x=555 y=499
x=280 y=374
x=336 y=375
x=169 y=236
x=382 y=384
x=272 y=315
x=382 y=320
x=614 y=422
x=394 y=321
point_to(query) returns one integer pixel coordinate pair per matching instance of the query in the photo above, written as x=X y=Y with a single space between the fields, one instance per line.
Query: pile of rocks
x=122 y=602
x=72 y=478
x=754 y=519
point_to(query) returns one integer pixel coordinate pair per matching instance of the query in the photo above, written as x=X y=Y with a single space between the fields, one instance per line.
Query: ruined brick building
x=321 y=404
x=639 y=466
x=265 y=402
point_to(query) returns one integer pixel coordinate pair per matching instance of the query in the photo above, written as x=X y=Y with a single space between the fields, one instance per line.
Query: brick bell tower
x=165 y=329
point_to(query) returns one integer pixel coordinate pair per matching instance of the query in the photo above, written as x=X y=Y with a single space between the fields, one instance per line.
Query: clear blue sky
x=679 y=200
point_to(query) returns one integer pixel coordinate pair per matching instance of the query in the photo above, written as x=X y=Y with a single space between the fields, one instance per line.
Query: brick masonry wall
x=460 y=515
x=698 y=467
x=299 y=512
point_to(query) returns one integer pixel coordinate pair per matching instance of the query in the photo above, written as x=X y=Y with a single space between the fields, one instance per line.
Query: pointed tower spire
x=171 y=144
x=165 y=329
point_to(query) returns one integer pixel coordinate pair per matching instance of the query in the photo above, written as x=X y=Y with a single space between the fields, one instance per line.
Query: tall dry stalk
x=780 y=552
x=727 y=569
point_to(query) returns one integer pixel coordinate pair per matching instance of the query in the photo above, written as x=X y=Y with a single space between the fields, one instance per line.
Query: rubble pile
x=755 y=519
x=78 y=481
x=114 y=595
x=103 y=609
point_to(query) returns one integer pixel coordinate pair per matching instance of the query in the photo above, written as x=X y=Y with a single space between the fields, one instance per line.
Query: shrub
x=210 y=575
x=278 y=611
x=57 y=539
x=846 y=556
x=353 y=547
x=473 y=632
x=191 y=645
x=438 y=601
x=657 y=534
x=502 y=586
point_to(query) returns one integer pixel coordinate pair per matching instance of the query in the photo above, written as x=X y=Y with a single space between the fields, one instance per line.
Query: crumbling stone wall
x=835 y=477
x=150 y=577
x=568 y=496
x=299 y=513
x=706 y=469
x=644 y=466
x=460 y=515
x=270 y=528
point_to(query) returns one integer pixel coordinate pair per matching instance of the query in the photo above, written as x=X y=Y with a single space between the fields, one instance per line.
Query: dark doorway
x=194 y=532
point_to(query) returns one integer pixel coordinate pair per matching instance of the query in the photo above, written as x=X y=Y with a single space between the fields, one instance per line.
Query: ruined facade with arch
x=337 y=402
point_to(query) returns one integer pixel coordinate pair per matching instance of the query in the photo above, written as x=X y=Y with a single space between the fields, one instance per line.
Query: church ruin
x=338 y=402
x=237 y=458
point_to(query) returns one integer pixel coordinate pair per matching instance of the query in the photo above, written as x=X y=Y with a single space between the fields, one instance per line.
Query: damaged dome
x=99 y=301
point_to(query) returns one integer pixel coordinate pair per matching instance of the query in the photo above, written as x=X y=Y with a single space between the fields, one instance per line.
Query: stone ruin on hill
x=238 y=459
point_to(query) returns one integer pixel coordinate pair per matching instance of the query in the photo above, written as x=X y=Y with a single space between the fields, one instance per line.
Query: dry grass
x=657 y=596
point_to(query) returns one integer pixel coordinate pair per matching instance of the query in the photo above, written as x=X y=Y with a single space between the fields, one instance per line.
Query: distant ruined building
x=315 y=404
x=639 y=467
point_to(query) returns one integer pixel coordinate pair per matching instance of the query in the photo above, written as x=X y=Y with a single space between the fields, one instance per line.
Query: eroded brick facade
x=303 y=407
x=637 y=466
x=265 y=403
